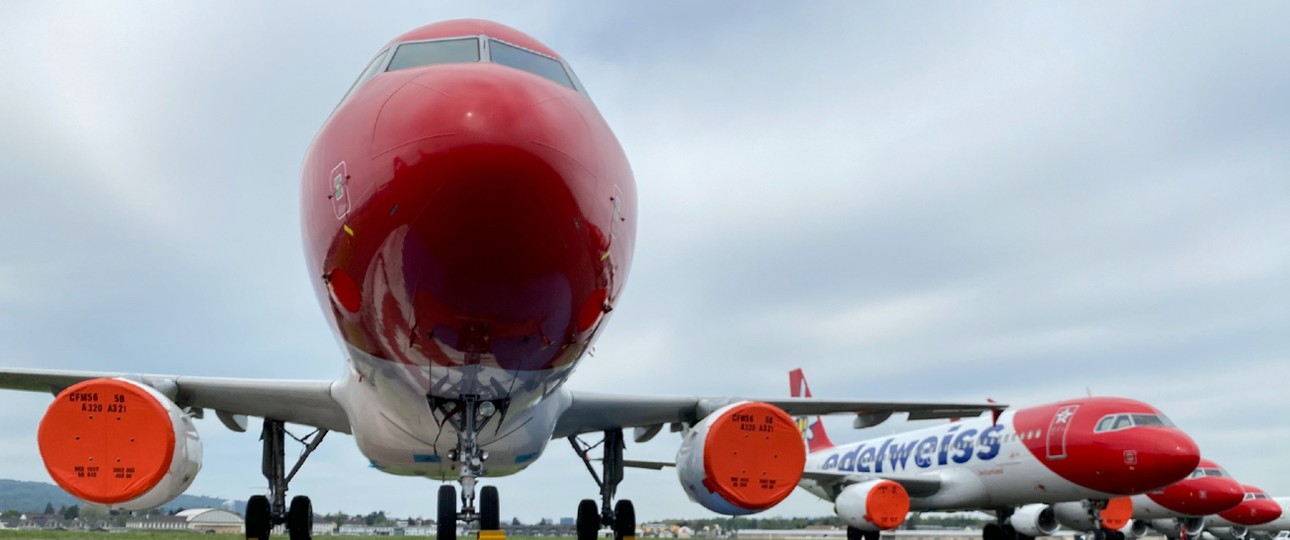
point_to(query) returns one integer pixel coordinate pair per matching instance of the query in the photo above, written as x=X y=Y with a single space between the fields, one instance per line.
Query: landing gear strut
x=468 y=415
x=263 y=513
x=622 y=517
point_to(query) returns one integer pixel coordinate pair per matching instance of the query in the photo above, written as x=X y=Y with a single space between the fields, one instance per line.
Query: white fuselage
x=979 y=464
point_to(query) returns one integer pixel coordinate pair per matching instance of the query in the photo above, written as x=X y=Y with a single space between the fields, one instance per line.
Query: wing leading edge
x=299 y=402
x=589 y=412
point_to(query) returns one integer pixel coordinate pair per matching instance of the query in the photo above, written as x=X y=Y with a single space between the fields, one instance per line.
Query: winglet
x=812 y=430
x=995 y=412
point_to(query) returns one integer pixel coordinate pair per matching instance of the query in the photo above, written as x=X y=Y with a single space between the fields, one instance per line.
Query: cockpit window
x=443 y=51
x=523 y=59
x=368 y=72
x=1155 y=420
x=1113 y=422
x=1207 y=471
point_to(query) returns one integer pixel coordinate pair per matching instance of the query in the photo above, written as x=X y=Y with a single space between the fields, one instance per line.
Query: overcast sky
x=912 y=201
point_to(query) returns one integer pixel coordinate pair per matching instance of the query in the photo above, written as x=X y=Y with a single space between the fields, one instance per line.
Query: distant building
x=216 y=520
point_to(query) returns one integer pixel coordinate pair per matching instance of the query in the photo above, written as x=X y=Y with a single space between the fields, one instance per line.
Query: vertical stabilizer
x=812 y=428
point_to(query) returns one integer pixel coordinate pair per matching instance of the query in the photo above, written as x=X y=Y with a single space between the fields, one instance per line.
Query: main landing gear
x=263 y=513
x=468 y=415
x=622 y=518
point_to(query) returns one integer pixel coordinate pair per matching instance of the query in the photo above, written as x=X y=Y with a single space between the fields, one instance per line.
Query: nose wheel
x=468 y=416
x=620 y=517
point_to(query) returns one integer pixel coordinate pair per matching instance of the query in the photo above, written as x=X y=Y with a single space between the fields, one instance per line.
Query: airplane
x=1179 y=509
x=1071 y=462
x=1256 y=509
x=469 y=220
x=1276 y=527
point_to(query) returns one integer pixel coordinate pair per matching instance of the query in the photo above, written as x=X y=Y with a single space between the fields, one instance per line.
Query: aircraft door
x=1057 y=432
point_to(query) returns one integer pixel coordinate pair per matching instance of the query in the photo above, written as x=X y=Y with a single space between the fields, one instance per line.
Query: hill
x=33 y=496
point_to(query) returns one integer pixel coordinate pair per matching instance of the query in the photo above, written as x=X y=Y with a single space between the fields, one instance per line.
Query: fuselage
x=1208 y=490
x=1058 y=452
x=468 y=221
x=1256 y=509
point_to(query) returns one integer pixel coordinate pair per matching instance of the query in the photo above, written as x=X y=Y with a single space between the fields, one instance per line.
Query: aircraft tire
x=992 y=531
x=1010 y=532
x=489 y=509
x=258 y=520
x=446 y=524
x=588 y=523
x=624 y=520
x=854 y=533
x=872 y=535
x=300 y=518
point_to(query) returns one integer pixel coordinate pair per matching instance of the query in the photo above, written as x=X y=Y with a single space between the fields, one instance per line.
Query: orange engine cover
x=119 y=443
x=876 y=505
x=741 y=459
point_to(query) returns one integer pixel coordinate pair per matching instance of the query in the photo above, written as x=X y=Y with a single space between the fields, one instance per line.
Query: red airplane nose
x=1253 y=512
x=1200 y=496
x=494 y=242
x=1141 y=459
x=1168 y=456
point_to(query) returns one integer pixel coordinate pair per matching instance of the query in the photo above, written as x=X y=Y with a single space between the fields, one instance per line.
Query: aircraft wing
x=915 y=485
x=588 y=412
x=300 y=402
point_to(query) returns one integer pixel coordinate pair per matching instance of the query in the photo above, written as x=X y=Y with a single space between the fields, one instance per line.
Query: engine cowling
x=1175 y=527
x=743 y=458
x=1078 y=515
x=1034 y=520
x=1137 y=528
x=876 y=505
x=120 y=444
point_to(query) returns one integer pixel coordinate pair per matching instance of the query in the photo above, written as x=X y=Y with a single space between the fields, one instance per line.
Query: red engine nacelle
x=741 y=459
x=120 y=444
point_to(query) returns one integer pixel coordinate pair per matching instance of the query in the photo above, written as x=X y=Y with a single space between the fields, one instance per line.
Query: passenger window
x=427 y=53
x=542 y=66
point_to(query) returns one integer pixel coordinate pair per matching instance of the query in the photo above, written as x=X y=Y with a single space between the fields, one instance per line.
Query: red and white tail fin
x=812 y=429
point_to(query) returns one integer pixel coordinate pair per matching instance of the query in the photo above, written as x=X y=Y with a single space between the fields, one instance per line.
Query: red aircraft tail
x=812 y=429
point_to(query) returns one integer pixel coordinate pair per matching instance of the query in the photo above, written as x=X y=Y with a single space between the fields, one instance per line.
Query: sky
x=912 y=201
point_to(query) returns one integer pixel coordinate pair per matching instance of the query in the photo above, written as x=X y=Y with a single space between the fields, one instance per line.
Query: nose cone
x=1200 y=496
x=1167 y=455
x=1135 y=461
x=1254 y=511
x=487 y=235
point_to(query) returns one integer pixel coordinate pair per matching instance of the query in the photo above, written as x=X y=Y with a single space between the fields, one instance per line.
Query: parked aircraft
x=1179 y=509
x=1256 y=509
x=1072 y=461
x=469 y=221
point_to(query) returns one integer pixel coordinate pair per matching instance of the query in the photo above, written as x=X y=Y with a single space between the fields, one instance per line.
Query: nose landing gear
x=468 y=416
